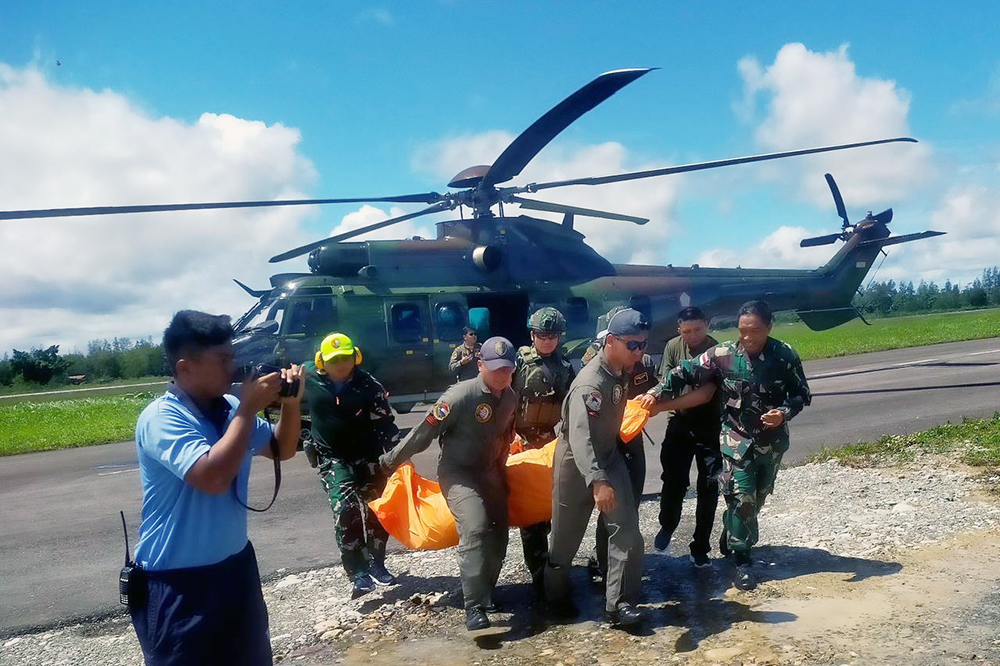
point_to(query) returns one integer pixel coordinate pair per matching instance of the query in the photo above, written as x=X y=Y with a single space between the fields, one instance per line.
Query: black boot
x=626 y=615
x=744 y=579
x=475 y=619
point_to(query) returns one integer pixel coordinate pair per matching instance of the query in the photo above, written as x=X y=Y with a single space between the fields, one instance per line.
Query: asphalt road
x=61 y=541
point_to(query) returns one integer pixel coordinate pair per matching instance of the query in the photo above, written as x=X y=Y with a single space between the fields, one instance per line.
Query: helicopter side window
x=643 y=305
x=312 y=317
x=406 y=324
x=449 y=319
x=577 y=311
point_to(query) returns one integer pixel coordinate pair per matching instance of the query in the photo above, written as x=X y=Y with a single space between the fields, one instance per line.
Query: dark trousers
x=680 y=444
x=635 y=462
x=204 y=615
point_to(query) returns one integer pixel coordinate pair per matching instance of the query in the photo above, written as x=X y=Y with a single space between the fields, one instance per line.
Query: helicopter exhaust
x=487 y=258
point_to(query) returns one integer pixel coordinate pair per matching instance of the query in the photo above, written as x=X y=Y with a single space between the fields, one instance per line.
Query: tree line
x=888 y=298
x=121 y=358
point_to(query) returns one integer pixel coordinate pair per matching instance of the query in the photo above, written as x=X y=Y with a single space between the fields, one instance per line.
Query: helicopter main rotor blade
x=309 y=247
x=528 y=144
x=534 y=204
x=635 y=175
x=837 y=199
x=429 y=197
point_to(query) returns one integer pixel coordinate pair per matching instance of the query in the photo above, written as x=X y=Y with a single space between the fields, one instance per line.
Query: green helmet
x=547 y=320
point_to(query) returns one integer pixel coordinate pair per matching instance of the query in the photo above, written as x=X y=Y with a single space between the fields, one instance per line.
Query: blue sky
x=217 y=101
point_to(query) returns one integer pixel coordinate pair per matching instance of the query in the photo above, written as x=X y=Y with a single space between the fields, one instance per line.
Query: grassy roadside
x=975 y=442
x=43 y=426
x=855 y=337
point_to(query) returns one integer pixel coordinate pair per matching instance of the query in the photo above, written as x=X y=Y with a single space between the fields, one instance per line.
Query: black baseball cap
x=628 y=322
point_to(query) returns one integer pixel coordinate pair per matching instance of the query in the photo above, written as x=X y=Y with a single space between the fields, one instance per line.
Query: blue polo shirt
x=182 y=526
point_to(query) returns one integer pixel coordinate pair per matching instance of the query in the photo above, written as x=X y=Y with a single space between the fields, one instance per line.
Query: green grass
x=975 y=441
x=42 y=426
x=889 y=333
x=99 y=388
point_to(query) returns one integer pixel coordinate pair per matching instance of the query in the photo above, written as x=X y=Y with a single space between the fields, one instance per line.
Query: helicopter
x=406 y=302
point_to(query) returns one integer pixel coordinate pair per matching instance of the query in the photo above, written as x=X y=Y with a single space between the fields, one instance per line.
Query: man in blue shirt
x=200 y=601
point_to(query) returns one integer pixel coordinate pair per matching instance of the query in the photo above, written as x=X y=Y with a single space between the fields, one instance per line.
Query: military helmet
x=547 y=320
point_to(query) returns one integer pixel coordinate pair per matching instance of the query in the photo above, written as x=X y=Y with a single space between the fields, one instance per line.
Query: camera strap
x=277 y=480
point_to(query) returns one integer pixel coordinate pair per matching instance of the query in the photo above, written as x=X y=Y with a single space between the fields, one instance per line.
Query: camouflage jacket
x=749 y=387
x=352 y=421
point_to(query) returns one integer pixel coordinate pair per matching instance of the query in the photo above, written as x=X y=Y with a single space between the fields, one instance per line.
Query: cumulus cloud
x=806 y=99
x=618 y=241
x=779 y=249
x=70 y=280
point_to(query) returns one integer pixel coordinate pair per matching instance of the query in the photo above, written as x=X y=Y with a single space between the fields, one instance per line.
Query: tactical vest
x=540 y=390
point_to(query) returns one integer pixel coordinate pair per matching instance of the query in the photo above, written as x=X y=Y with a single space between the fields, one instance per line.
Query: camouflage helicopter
x=407 y=301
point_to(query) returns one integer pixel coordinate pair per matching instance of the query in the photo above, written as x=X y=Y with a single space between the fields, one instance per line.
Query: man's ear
x=182 y=367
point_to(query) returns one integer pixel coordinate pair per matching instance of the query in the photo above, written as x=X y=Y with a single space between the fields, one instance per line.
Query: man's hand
x=289 y=375
x=604 y=497
x=646 y=401
x=259 y=392
x=467 y=358
x=772 y=418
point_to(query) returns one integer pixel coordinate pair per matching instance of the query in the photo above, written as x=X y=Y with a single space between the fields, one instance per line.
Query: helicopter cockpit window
x=577 y=311
x=449 y=319
x=406 y=324
x=311 y=317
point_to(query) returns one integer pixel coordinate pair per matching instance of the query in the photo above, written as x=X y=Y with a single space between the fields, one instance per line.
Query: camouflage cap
x=547 y=320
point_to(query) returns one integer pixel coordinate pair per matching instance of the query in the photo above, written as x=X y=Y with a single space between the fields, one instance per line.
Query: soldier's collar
x=482 y=384
x=603 y=359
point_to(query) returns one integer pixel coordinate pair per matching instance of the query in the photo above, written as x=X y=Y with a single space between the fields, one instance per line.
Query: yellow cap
x=338 y=344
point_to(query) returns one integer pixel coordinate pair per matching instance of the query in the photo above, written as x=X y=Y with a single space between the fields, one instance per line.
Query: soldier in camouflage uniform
x=474 y=424
x=762 y=387
x=464 y=357
x=541 y=381
x=643 y=378
x=352 y=425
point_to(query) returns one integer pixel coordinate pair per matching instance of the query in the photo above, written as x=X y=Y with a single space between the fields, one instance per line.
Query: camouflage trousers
x=360 y=536
x=745 y=485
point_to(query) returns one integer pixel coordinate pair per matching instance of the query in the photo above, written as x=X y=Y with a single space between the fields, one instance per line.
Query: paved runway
x=60 y=534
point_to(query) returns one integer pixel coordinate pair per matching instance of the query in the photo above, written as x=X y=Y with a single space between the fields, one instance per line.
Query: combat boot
x=744 y=579
x=662 y=541
x=362 y=586
x=475 y=619
x=626 y=615
x=378 y=573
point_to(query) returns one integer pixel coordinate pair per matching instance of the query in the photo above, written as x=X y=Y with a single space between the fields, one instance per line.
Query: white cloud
x=618 y=241
x=779 y=249
x=70 y=280
x=367 y=214
x=816 y=99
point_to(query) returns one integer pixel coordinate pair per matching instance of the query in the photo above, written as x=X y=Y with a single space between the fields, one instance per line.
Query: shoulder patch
x=439 y=412
x=722 y=350
x=484 y=412
x=593 y=401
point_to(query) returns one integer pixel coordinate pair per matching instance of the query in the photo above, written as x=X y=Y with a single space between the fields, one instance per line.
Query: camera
x=288 y=389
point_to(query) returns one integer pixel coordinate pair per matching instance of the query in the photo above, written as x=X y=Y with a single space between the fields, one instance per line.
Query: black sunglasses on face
x=636 y=345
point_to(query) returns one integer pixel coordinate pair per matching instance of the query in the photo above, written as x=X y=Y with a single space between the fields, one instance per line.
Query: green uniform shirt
x=468 y=370
x=703 y=418
x=749 y=387
x=474 y=427
x=592 y=418
x=351 y=421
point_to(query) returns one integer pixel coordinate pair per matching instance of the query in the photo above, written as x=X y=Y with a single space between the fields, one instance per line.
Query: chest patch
x=593 y=401
x=484 y=412
x=616 y=393
x=641 y=378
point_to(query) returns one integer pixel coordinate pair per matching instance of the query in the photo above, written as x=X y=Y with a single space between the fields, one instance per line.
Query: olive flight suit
x=474 y=429
x=643 y=377
x=748 y=386
x=587 y=451
x=541 y=383
x=352 y=425
x=467 y=370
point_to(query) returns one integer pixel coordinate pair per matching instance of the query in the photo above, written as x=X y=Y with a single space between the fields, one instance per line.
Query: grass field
x=42 y=426
x=44 y=422
x=977 y=442
x=856 y=337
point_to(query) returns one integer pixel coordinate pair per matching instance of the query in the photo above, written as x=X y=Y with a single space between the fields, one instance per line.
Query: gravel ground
x=824 y=521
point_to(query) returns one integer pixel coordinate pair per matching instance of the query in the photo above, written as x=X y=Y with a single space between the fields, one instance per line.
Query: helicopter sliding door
x=408 y=343
x=508 y=315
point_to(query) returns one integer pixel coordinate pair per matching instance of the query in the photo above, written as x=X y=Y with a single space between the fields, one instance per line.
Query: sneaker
x=362 y=585
x=378 y=573
x=744 y=580
x=700 y=560
x=724 y=549
x=626 y=615
x=475 y=619
x=662 y=541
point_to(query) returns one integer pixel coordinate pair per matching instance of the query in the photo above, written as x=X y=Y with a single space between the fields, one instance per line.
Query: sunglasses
x=635 y=345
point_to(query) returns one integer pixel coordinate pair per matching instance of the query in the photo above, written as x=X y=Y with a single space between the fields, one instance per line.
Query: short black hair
x=758 y=308
x=691 y=313
x=468 y=329
x=191 y=331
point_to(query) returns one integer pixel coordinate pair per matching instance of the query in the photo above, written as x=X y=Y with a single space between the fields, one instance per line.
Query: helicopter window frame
x=305 y=323
x=449 y=332
x=577 y=311
x=406 y=332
